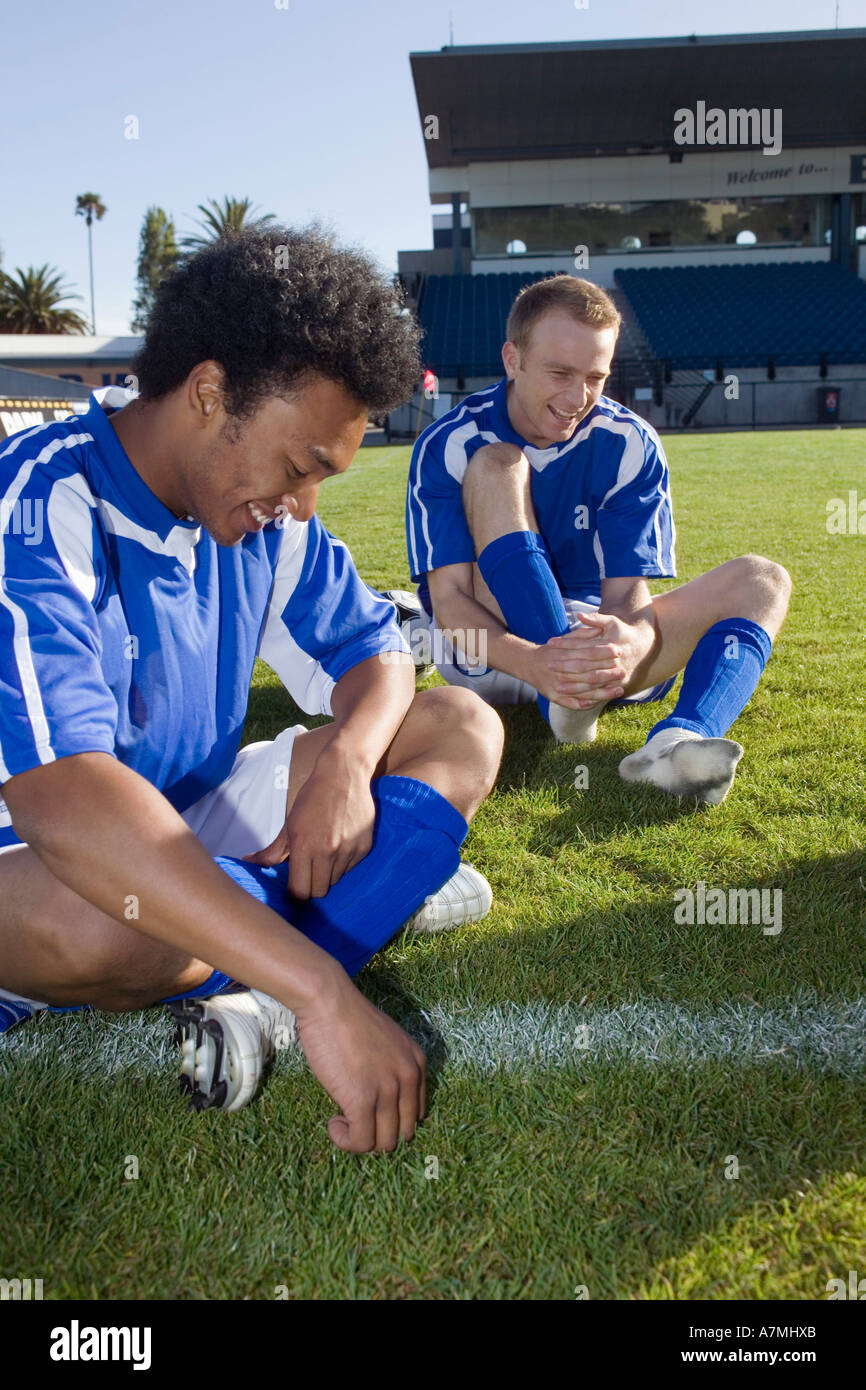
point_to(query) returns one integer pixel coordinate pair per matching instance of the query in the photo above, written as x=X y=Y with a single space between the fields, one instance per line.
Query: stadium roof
x=78 y=349
x=549 y=100
x=32 y=386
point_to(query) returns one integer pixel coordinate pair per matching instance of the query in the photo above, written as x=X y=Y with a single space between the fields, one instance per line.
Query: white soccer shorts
x=245 y=812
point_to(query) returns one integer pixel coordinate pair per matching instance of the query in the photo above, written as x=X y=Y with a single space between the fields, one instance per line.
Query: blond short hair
x=584 y=301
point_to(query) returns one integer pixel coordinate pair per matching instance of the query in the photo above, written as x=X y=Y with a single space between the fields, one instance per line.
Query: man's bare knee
x=755 y=579
x=473 y=729
x=497 y=491
x=485 y=734
x=494 y=459
x=128 y=970
x=121 y=997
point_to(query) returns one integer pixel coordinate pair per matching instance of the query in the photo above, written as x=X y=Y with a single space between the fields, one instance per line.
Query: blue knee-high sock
x=416 y=848
x=216 y=983
x=517 y=570
x=720 y=678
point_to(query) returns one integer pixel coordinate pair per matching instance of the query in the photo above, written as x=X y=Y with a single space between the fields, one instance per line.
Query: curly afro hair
x=271 y=304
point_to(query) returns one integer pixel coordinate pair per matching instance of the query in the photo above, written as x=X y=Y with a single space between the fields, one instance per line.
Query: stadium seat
x=691 y=315
x=795 y=313
x=463 y=320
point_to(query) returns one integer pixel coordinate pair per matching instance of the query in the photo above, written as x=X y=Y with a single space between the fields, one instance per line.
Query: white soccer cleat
x=466 y=897
x=574 y=725
x=683 y=763
x=226 y=1042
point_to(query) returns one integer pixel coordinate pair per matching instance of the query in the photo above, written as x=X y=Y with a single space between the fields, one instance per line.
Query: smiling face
x=556 y=377
x=246 y=473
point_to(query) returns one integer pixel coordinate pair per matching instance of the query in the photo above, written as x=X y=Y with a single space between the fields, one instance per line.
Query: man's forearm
x=471 y=624
x=369 y=704
x=133 y=857
x=633 y=606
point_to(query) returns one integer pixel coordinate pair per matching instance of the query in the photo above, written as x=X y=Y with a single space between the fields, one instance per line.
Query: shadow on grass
x=533 y=762
x=272 y=709
x=635 y=948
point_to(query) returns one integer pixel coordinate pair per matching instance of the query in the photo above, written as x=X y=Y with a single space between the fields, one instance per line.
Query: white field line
x=827 y=1035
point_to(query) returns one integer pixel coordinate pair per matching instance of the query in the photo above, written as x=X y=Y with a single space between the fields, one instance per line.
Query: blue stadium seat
x=693 y=315
x=793 y=312
x=463 y=319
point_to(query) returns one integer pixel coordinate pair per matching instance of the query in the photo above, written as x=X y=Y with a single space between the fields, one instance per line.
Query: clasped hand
x=594 y=662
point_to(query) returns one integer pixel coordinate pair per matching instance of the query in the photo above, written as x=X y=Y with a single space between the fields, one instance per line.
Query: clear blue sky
x=308 y=110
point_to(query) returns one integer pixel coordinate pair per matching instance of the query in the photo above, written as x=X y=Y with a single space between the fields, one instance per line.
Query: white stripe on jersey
x=597 y=552
x=18 y=439
x=447 y=422
x=70 y=522
x=454 y=456
x=307 y=683
x=630 y=464
x=21 y=638
x=632 y=461
x=180 y=543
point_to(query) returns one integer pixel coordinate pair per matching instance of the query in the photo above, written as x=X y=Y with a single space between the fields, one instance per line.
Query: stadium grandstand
x=76 y=358
x=49 y=376
x=716 y=187
x=30 y=398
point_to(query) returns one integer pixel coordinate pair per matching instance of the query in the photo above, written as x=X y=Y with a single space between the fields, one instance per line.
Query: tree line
x=35 y=299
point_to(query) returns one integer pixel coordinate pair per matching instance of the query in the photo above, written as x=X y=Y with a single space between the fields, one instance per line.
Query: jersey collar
x=539 y=458
x=132 y=492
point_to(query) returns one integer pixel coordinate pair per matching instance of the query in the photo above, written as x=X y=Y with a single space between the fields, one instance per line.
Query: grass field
x=599 y=1072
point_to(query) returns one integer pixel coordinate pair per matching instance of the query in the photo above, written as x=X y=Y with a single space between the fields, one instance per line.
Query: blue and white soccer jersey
x=126 y=631
x=602 y=499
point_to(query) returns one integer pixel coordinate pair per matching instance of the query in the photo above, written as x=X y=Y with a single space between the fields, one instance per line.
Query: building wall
x=728 y=172
x=435 y=262
x=601 y=268
x=792 y=399
x=110 y=374
x=92 y=361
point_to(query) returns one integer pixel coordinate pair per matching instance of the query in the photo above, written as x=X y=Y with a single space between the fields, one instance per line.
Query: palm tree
x=221 y=219
x=31 y=304
x=88 y=206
